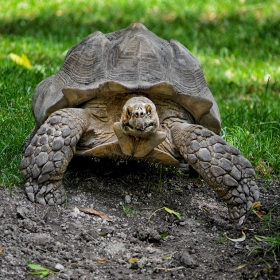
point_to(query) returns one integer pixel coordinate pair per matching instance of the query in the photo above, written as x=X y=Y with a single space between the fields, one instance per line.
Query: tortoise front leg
x=49 y=153
x=221 y=166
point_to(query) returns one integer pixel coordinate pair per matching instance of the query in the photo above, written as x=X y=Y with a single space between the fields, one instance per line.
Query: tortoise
x=132 y=95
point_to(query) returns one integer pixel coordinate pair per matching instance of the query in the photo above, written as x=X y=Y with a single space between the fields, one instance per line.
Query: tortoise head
x=139 y=117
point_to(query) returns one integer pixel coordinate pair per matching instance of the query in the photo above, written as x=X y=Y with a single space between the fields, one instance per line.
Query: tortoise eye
x=129 y=111
x=149 y=110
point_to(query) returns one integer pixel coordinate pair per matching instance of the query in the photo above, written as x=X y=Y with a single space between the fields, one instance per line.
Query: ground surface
x=131 y=246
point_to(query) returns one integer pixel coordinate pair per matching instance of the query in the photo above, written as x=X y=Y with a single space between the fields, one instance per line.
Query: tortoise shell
x=131 y=60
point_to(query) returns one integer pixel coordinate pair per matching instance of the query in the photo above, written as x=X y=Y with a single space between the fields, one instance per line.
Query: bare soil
x=135 y=245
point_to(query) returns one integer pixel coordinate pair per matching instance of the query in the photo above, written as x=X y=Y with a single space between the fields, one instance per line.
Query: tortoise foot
x=48 y=193
x=241 y=199
x=47 y=156
x=222 y=166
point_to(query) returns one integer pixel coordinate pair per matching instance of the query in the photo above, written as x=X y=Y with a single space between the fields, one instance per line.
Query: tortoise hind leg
x=49 y=153
x=221 y=165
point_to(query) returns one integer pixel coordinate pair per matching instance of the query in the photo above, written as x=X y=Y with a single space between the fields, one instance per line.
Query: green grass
x=129 y=211
x=271 y=222
x=237 y=44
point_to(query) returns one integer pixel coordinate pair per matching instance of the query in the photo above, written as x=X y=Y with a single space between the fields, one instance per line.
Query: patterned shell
x=129 y=60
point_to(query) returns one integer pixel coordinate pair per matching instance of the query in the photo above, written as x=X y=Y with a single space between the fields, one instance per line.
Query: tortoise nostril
x=139 y=114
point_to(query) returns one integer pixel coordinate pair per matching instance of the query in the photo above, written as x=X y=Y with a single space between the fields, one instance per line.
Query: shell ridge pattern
x=200 y=81
x=155 y=60
x=136 y=60
x=185 y=67
x=84 y=63
x=167 y=62
x=148 y=62
x=55 y=89
x=106 y=47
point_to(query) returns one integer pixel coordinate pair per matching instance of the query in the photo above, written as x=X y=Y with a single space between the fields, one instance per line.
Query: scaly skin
x=49 y=153
x=222 y=166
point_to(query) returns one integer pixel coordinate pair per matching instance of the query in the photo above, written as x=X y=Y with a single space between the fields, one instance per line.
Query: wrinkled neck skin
x=137 y=130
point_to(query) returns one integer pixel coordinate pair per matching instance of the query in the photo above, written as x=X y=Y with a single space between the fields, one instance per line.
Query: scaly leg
x=221 y=165
x=49 y=153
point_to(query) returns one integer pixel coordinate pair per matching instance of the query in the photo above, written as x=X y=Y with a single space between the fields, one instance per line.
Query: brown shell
x=129 y=60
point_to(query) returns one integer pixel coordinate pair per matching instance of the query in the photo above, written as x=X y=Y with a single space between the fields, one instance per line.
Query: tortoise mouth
x=141 y=130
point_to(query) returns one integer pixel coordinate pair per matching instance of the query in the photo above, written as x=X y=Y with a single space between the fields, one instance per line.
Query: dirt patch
x=77 y=245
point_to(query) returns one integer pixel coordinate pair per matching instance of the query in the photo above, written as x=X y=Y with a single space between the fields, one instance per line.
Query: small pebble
x=127 y=199
x=238 y=246
x=59 y=266
x=123 y=235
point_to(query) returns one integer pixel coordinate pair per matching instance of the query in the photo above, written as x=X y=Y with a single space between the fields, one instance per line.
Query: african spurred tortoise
x=132 y=95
